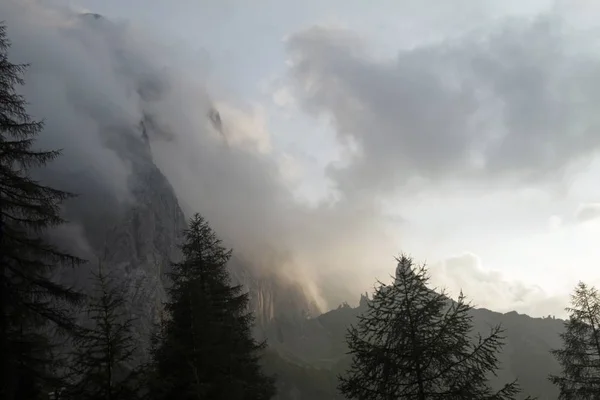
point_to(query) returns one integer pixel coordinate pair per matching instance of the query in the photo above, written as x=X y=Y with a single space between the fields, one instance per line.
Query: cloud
x=491 y=289
x=68 y=54
x=512 y=103
x=588 y=212
x=95 y=81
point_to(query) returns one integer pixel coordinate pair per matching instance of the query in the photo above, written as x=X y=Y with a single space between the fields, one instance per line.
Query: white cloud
x=494 y=290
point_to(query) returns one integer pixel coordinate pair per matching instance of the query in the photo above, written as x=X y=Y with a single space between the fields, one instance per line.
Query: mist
x=91 y=78
x=484 y=120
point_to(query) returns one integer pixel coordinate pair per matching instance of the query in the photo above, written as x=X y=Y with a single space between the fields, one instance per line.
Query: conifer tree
x=104 y=351
x=29 y=299
x=207 y=350
x=415 y=343
x=580 y=356
x=151 y=388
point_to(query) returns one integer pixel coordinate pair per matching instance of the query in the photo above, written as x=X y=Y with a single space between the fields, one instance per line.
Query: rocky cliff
x=137 y=238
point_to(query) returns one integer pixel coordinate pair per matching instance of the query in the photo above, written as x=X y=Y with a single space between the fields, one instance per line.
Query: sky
x=463 y=133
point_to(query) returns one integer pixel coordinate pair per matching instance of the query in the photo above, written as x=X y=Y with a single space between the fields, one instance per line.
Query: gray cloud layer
x=515 y=103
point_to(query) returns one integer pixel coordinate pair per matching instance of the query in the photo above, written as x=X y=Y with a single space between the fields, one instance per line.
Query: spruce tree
x=207 y=350
x=29 y=299
x=104 y=351
x=580 y=356
x=415 y=343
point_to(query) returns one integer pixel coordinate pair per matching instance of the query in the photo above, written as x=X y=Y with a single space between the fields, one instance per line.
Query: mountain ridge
x=526 y=355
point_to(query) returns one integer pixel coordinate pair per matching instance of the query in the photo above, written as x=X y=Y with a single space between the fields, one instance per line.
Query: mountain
x=319 y=343
x=138 y=238
x=135 y=235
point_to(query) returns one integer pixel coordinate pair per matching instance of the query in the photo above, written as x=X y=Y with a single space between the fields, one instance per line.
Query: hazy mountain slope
x=134 y=238
x=526 y=356
x=297 y=380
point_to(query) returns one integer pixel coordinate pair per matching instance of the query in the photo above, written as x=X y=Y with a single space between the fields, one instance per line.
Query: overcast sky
x=470 y=127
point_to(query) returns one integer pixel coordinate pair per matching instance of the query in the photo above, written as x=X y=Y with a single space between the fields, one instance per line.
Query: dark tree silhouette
x=580 y=356
x=415 y=343
x=207 y=350
x=103 y=356
x=29 y=299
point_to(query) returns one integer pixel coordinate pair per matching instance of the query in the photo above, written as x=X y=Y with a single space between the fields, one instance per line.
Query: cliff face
x=137 y=238
x=143 y=240
x=275 y=301
x=134 y=238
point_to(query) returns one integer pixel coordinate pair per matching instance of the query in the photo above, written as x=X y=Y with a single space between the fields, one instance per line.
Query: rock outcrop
x=137 y=238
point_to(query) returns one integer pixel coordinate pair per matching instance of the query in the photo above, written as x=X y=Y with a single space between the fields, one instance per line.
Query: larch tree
x=206 y=348
x=29 y=298
x=102 y=363
x=416 y=343
x=580 y=356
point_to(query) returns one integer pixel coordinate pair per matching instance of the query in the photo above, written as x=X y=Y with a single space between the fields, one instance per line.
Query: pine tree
x=580 y=356
x=104 y=352
x=29 y=299
x=415 y=343
x=207 y=350
x=153 y=385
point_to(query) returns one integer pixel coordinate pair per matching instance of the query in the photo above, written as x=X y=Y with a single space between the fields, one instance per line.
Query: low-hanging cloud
x=93 y=79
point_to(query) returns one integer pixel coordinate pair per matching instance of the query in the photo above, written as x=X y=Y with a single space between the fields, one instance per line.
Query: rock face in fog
x=137 y=238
